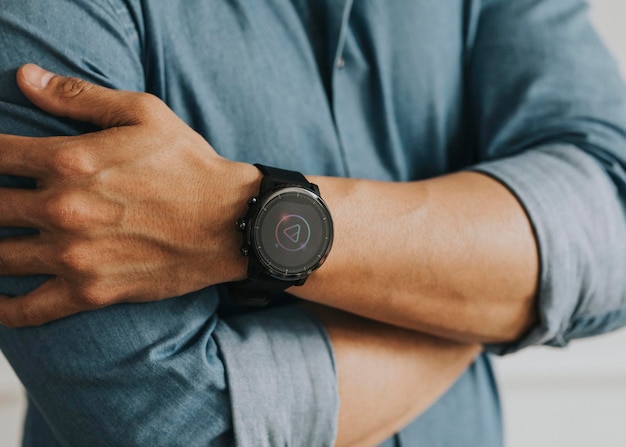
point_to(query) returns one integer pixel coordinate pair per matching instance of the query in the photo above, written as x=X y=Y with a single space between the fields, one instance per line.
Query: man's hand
x=142 y=210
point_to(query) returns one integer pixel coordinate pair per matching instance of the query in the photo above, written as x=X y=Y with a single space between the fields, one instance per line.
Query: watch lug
x=254 y=268
x=300 y=281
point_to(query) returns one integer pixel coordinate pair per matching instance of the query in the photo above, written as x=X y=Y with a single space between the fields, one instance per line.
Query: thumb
x=76 y=98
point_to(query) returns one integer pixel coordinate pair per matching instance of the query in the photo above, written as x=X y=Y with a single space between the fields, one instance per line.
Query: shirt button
x=341 y=62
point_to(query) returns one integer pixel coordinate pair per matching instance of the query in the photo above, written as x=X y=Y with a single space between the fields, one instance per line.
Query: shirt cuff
x=579 y=224
x=281 y=374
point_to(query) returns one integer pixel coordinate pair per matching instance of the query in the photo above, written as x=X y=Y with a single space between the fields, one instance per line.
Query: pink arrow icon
x=293 y=233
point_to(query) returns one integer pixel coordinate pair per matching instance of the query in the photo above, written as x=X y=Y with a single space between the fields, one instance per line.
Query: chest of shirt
x=366 y=88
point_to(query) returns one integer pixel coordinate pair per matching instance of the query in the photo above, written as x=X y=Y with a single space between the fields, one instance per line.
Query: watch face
x=292 y=233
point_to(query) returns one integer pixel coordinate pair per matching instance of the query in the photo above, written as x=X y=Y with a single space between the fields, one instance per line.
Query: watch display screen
x=292 y=232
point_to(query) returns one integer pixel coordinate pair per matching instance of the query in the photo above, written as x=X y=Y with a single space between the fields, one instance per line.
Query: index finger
x=24 y=156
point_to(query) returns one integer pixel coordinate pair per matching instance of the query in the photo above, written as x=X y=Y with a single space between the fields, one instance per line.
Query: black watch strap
x=255 y=292
x=273 y=177
x=246 y=293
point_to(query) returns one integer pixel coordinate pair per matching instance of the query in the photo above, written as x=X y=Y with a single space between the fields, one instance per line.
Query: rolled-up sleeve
x=281 y=376
x=580 y=226
x=549 y=110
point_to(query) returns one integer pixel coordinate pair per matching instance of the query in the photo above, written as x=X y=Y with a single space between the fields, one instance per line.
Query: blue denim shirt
x=521 y=90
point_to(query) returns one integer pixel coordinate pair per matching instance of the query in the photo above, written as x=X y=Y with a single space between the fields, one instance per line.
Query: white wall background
x=575 y=397
x=11 y=406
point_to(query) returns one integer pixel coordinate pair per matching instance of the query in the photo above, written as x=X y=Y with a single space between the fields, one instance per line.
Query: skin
x=453 y=257
x=387 y=376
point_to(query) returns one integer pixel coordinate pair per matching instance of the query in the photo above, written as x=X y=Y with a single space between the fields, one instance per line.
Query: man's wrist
x=287 y=234
x=240 y=183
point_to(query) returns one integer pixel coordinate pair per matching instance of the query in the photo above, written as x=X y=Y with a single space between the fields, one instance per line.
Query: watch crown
x=252 y=201
x=241 y=224
x=245 y=250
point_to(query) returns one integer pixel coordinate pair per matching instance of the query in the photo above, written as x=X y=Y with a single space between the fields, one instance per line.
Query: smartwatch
x=287 y=234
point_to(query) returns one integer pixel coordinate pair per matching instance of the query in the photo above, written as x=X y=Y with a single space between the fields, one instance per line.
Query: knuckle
x=72 y=163
x=74 y=258
x=71 y=87
x=8 y=322
x=26 y=315
x=64 y=211
x=92 y=296
x=11 y=259
x=149 y=100
x=146 y=104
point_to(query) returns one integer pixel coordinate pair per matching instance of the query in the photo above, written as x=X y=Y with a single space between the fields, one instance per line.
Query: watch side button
x=241 y=224
x=252 y=201
x=245 y=250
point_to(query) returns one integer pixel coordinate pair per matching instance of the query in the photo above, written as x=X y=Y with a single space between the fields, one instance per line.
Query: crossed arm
x=109 y=206
x=468 y=272
x=106 y=238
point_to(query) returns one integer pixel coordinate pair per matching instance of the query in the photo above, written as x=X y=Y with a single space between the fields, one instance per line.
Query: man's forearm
x=387 y=376
x=453 y=256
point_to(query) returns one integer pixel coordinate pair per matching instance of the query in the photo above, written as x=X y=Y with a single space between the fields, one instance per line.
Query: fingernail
x=36 y=76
